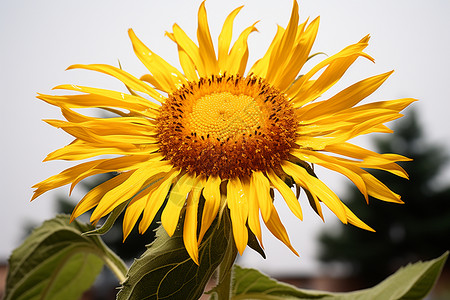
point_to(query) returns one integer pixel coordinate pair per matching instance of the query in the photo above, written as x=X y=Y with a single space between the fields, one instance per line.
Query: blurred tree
x=416 y=230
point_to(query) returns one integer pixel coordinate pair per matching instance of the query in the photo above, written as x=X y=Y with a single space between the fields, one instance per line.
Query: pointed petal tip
x=321 y=217
x=370 y=229
x=368 y=57
x=289 y=245
x=126 y=233
x=169 y=230
x=254 y=29
x=40 y=96
x=132 y=36
x=202 y=8
x=365 y=39
x=71 y=67
x=193 y=254
x=294 y=251
x=72 y=218
x=168 y=34
x=241 y=249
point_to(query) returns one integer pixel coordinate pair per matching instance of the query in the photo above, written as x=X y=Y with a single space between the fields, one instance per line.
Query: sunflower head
x=226 y=126
x=212 y=137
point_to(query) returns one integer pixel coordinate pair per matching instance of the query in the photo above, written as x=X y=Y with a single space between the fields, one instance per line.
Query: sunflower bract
x=220 y=138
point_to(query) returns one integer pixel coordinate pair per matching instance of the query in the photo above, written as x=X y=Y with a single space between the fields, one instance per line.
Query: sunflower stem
x=116 y=270
x=224 y=283
x=115 y=264
x=225 y=271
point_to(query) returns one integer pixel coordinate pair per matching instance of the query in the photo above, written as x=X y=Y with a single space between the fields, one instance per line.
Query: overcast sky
x=39 y=39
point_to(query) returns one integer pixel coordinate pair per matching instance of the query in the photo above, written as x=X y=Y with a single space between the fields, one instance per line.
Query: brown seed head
x=226 y=126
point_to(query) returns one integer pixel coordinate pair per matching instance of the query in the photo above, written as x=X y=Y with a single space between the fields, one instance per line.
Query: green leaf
x=165 y=270
x=56 y=262
x=109 y=221
x=414 y=281
x=251 y=284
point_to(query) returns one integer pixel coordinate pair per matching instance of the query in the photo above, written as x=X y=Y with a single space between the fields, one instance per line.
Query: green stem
x=118 y=271
x=224 y=281
x=224 y=286
x=114 y=262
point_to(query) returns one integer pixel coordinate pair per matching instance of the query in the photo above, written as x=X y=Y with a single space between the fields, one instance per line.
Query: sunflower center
x=226 y=126
x=224 y=115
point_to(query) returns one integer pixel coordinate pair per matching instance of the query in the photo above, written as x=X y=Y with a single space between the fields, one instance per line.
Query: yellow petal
x=346 y=98
x=391 y=105
x=253 y=209
x=91 y=101
x=79 y=150
x=237 y=60
x=283 y=49
x=371 y=159
x=379 y=190
x=225 y=38
x=128 y=79
x=107 y=98
x=262 y=188
x=261 y=66
x=190 y=48
x=186 y=62
x=136 y=207
x=286 y=193
x=156 y=199
x=212 y=196
x=168 y=77
x=152 y=80
x=127 y=189
x=317 y=188
x=118 y=164
x=190 y=221
x=206 y=48
x=73 y=116
x=93 y=197
x=354 y=220
x=299 y=55
x=277 y=229
x=238 y=205
x=117 y=133
x=63 y=178
x=333 y=164
x=337 y=65
x=358 y=152
x=175 y=203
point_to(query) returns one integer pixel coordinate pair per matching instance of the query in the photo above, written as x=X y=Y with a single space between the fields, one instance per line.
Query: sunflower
x=220 y=138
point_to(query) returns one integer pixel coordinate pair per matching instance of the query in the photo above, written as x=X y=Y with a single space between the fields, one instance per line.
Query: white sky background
x=39 y=39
